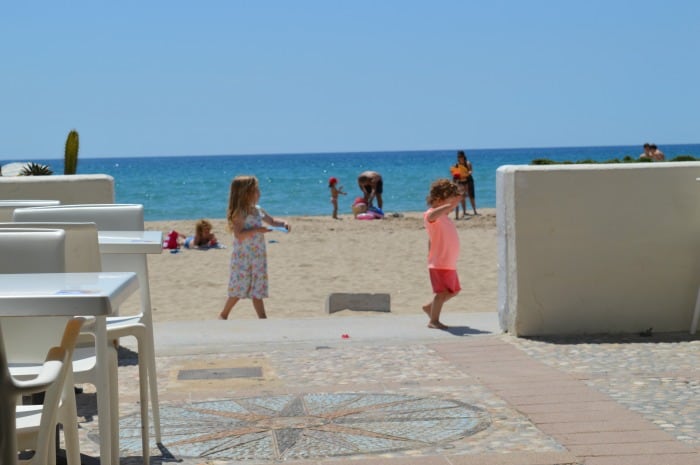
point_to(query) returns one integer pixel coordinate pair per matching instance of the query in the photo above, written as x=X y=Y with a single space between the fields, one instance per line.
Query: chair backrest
x=108 y=217
x=27 y=339
x=82 y=249
x=32 y=250
x=54 y=394
x=7 y=207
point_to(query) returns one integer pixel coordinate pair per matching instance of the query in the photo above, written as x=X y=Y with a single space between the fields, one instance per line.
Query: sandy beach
x=321 y=256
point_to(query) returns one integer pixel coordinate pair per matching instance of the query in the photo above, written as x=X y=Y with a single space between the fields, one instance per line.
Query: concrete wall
x=68 y=189
x=585 y=249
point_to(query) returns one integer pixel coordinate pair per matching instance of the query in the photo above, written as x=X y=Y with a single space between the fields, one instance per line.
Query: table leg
x=104 y=365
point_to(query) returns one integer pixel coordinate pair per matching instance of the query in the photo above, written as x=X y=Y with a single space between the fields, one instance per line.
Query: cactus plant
x=71 y=157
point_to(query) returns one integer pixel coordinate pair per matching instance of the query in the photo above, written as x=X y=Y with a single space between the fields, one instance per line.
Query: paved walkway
x=384 y=389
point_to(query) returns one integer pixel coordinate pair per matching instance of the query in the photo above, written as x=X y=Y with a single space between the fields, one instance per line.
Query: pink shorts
x=444 y=281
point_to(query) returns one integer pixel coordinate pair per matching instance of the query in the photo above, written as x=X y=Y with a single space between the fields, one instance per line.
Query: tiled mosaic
x=298 y=426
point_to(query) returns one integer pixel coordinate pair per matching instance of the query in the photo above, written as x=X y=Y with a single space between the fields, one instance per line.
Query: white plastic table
x=127 y=251
x=71 y=294
x=142 y=242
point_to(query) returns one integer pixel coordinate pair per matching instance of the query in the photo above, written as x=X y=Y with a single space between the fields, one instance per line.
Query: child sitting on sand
x=203 y=237
x=443 y=247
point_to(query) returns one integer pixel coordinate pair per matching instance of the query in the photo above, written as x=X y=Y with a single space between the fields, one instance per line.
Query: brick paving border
x=591 y=425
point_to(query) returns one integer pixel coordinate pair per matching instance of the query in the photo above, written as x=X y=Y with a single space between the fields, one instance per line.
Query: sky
x=158 y=78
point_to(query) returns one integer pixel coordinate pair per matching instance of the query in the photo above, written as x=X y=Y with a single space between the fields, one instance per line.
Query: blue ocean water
x=297 y=184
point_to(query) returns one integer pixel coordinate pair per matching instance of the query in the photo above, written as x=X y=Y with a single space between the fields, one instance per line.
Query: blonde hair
x=442 y=189
x=241 y=199
x=201 y=225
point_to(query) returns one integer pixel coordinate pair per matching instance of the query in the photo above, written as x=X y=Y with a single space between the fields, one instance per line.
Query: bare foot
x=221 y=317
x=426 y=309
x=437 y=325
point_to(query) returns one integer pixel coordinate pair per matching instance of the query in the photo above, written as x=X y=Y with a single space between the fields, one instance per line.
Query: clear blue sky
x=149 y=78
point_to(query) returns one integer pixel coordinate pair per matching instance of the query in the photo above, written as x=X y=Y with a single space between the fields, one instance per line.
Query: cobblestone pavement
x=658 y=377
x=351 y=400
x=415 y=379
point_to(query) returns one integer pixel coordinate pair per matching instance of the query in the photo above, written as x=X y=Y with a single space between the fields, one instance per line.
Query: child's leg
x=335 y=208
x=436 y=308
x=228 y=306
x=259 y=307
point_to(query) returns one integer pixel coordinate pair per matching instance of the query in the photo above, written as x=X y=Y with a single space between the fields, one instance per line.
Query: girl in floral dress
x=249 y=258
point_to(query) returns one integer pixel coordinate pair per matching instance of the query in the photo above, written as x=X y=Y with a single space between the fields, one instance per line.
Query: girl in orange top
x=443 y=248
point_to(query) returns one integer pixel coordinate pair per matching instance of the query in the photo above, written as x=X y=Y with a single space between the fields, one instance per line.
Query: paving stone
x=478 y=400
x=631 y=448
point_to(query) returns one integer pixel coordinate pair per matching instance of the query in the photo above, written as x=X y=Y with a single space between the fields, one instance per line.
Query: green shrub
x=685 y=158
x=626 y=159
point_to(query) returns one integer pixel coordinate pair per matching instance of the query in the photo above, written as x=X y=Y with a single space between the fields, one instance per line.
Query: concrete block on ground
x=356 y=301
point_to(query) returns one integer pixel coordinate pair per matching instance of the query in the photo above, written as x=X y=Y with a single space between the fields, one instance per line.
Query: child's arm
x=444 y=209
x=240 y=233
x=273 y=222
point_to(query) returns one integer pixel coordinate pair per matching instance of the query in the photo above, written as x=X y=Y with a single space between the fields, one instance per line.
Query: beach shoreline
x=321 y=256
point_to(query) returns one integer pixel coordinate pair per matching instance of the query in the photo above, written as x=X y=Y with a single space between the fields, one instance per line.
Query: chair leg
x=114 y=400
x=149 y=360
x=143 y=392
x=696 y=314
x=68 y=417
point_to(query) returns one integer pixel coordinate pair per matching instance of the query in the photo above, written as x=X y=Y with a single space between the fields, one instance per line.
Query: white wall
x=601 y=248
x=68 y=189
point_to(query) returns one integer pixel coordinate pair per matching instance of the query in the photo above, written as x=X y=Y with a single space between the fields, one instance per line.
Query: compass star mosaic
x=300 y=426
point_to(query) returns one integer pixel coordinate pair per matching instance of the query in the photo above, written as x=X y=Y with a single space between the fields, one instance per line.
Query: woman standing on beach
x=462 y=175
x=249 y=256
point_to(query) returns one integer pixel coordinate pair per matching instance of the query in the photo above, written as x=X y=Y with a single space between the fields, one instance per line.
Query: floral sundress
x=249 y=263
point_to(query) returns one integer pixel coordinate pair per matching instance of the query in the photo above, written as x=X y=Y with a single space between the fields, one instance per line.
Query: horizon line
x=355 y=152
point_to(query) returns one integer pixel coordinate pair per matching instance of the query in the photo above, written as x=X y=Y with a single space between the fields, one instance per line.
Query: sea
x=296 y=184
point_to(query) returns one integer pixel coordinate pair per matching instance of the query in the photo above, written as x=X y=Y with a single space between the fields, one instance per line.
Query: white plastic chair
x=82 y=253
x=118 y=217
x=26 y=339
x=7 y=207
x=32 y=427
x=36 y=424
x=107 y=216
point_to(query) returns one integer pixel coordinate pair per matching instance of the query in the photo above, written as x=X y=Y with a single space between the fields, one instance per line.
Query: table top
x=65 y=294
x=149 y=242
